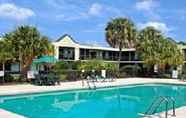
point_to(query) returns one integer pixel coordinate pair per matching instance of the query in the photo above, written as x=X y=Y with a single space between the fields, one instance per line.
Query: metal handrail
x=90 y=80
x=156 y=104
x=171 y=99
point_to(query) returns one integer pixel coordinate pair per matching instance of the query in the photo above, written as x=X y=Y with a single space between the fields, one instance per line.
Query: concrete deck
x=27 y=88
x=7 y=114
x=180 y=113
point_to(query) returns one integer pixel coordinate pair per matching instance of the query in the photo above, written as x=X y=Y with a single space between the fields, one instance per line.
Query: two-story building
x=67 y=49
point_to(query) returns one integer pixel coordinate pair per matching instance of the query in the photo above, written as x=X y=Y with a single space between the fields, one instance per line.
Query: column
x=77 y=53
x=56 y=52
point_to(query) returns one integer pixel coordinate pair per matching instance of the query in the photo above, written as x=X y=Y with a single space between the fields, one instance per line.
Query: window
x=66 y=53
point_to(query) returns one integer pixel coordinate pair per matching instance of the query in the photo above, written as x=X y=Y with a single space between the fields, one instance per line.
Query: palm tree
x=28 y=43
x=155 y=49
x=121 y=33
x=149 y=45
x=5 y=54
x=171 y=53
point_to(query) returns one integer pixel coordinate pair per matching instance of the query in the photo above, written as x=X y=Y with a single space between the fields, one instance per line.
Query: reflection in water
x=67 y=105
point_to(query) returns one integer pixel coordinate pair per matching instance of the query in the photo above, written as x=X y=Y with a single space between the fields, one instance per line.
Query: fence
x=74 y=75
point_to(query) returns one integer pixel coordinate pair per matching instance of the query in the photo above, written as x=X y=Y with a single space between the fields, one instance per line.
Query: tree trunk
x=4 y=72
x=25 y=67
x=24 y=70
x=120 y=55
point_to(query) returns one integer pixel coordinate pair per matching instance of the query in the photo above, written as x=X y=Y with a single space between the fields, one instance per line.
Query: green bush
x=9 y=78
x=130 y=70
x=64 y=65
x=71 y=71
x=91 y=65
x=111 y=66
x=97 y=65
x=60 y=65
x=62 y=77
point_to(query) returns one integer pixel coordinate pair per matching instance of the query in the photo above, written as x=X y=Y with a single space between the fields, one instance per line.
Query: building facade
x=67 y=49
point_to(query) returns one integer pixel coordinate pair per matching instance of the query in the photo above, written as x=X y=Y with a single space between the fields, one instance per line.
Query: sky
x=85 y=20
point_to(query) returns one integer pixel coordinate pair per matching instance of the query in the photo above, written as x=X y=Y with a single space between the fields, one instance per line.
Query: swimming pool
x=116 y=102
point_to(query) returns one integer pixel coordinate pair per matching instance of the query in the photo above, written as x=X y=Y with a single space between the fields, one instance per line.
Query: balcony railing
x=109 y=58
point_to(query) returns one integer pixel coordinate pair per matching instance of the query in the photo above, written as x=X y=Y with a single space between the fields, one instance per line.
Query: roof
x=104 y=48
x=66 y=35
x=67 y=41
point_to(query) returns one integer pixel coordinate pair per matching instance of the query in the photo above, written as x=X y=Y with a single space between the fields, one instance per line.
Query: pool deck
x=180 y=113
x=7 y=114
x=27 y=88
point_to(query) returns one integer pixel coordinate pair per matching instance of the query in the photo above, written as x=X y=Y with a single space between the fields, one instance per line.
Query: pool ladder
x=157 y=103
x=90 y=82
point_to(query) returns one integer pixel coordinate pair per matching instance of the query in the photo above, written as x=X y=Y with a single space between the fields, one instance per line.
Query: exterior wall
x=94 y=52
x=128 y=55
x=56 y=51
x=183 y=50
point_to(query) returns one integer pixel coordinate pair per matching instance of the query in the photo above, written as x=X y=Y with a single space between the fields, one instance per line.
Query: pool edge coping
x=8 y=114
x=86 y=88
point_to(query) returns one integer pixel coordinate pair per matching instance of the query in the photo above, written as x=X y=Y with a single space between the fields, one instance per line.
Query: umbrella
x=45 y=59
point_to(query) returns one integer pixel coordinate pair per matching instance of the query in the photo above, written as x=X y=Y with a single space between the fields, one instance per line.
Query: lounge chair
x=182 y=77
x=91 y=81
x=57 y=79
x=104 y=79
x=37 y=80
x=100 y=78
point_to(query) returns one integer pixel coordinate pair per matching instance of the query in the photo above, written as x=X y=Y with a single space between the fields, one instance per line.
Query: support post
x=173 y=105
x=166 y=108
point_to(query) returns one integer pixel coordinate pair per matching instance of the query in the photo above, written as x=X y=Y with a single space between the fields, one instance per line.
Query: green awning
x=45 y=59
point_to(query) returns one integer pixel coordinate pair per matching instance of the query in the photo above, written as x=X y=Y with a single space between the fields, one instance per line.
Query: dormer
x=67 y=41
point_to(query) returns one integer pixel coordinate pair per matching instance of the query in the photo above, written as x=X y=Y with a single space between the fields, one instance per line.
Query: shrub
x=64 y=65
x=70 y=71
x=92 y=65
x=111 y=66
x=60 y=65
x=130 y=70
x=9 y=78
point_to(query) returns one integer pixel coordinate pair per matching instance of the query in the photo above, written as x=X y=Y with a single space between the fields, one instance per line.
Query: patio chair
x=57 y=78
x=91 y=81
x=51 y=79
x=100 y=78
x=182 y=77
x=37 y=80
x=104 y=79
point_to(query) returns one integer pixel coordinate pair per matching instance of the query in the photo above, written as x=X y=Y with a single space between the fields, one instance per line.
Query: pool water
x=116 y=102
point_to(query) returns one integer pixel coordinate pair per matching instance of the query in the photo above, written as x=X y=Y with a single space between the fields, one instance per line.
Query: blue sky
x=85 y=20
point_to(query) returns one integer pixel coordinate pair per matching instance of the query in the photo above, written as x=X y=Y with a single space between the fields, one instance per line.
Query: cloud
x=146 y=5
x=95 y=9
x=78 y=16
x=157 y=25
x=93 y=30
x=92 y=11
x=12 y=11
